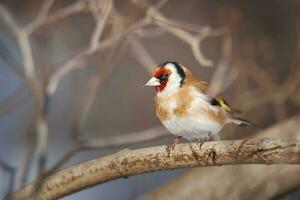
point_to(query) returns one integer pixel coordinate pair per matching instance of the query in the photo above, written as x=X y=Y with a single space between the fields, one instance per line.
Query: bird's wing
x=219 y=101
x=202 y=86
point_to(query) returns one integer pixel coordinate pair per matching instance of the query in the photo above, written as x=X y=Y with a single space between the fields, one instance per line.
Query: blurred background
x=72 y=76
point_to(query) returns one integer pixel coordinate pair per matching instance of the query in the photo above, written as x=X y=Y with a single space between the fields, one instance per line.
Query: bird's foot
x=170 y=147
x=201 y=141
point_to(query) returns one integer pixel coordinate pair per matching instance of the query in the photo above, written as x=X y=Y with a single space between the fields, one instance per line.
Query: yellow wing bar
x=219 y=101
x=223 y=104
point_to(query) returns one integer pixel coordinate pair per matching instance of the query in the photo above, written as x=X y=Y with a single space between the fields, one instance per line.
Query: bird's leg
x=209 y=137
x=172 y=145
x=201 y=141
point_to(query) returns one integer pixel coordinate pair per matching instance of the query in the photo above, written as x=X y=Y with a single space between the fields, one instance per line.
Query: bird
x=185 y=107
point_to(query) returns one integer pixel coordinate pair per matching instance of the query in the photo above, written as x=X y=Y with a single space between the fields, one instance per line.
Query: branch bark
x=132 y=162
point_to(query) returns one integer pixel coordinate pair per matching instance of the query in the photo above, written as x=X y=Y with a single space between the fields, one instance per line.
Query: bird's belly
x=192 y=128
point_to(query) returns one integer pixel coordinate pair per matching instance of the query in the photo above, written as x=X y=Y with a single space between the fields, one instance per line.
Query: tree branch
x=254 y=181
x=132 y=162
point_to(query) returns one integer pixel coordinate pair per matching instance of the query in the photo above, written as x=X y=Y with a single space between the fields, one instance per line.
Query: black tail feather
x=243 y=122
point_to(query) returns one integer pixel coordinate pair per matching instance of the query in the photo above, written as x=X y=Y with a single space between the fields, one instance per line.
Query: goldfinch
x=184 y=106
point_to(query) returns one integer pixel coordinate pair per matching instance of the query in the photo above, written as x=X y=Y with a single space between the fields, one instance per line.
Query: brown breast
x=182 y=100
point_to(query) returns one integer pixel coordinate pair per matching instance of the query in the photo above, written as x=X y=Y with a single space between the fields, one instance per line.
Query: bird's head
x=167 y=77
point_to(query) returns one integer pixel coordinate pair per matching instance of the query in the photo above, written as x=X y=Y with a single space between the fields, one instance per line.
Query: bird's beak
x=153 y=82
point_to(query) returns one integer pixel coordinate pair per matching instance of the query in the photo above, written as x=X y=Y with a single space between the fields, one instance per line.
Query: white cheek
x=173 y=84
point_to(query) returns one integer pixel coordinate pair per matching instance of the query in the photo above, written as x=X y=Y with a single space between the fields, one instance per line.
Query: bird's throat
x=162 y=86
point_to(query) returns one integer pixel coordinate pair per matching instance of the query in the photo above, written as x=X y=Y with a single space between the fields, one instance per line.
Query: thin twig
x=142 y=55
x=221 y=79
x=74 y=8
x=106 y=7
x=111 y=142
x=194 y=41
x=41 y=17
x=124 y=140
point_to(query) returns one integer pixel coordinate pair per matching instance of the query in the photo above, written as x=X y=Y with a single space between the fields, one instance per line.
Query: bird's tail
x=242 y=122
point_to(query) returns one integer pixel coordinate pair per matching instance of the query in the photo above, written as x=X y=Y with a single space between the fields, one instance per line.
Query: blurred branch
x=96 y=45
x=11 y=170
x=112 y=142
x=178 y=29
x=106 y=6
x=97 y=80
x=132 y=162
x=124 y=140
x=74 y=8
x=11 y=102
x=160 y=4
x=72 y=63
x=34 y=84
x=26 y=157
x=194 y=41
x=269 y=91
x=45 y=18
x=41 y=17
x=22 y=39
x=8 y=20
x=77 y=124
x=12 y=65
x=221 y=78
x=65 y=158
x=142 y=55
x=276 y=94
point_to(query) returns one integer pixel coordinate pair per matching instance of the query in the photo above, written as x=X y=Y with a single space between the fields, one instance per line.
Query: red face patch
x=162 y=74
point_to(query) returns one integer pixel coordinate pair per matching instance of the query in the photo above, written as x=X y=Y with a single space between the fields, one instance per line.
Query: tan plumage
x=203 y=87
x=184 y=106
x=184 y=99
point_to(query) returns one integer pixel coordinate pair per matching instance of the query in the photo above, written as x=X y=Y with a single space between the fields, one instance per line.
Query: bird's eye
x=164 y=76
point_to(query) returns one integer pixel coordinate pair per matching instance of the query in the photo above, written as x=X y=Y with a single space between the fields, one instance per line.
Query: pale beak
x=153 y=82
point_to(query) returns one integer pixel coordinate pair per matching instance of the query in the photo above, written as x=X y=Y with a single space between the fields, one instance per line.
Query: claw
x=170 y=147
x=201 y=141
